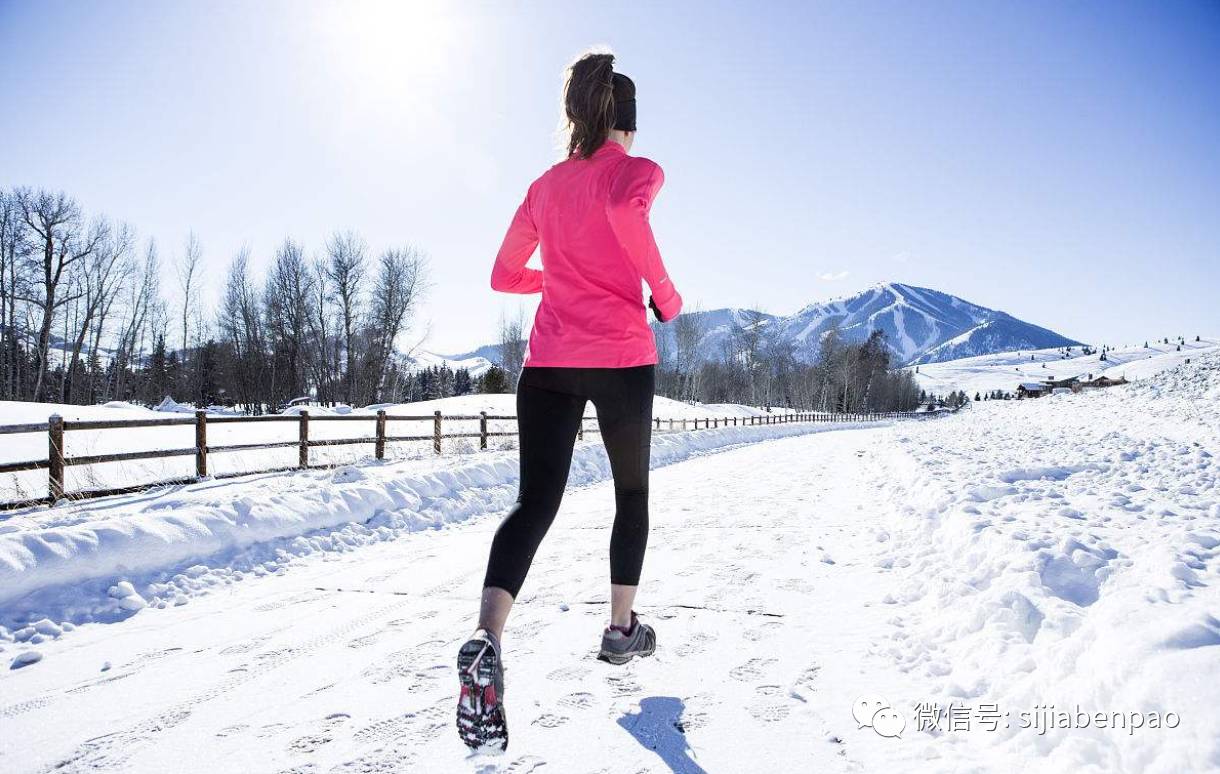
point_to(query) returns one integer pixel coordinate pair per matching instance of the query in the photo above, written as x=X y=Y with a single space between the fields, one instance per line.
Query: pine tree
x=207 y=365
x=157 y=373
x=462 y=384
x=494 y=381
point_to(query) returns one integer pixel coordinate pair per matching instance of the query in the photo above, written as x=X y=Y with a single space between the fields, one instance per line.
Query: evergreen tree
x=207 y=367
x=462 y=384
x=157 y=373
x=494 y=381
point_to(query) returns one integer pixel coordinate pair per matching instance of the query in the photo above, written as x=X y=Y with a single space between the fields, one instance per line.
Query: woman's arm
x=509 y=274
x=631 y=198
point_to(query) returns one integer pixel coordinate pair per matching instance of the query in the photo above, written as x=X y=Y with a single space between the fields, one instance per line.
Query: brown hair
x=589 y=95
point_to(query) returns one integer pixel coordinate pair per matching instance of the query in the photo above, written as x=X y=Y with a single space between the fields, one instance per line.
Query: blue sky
x=1058 y=161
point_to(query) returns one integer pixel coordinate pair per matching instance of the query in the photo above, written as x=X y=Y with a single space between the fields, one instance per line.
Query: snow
x=1005 y=370
x=814 y=594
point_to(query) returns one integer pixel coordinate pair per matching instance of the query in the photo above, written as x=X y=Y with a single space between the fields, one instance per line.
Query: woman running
x=590 y=342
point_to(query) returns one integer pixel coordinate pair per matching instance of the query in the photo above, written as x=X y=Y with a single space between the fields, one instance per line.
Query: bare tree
x=323 y=360
x=287 y=300
x=102 y=280
x=748 y=337
x=188 y=285
x=512 y=345
x=241 y=324
x=13 y=248
x=61 y=241
x=689 y=330
x=401 y=281
x=346 y=272
x=143 y=303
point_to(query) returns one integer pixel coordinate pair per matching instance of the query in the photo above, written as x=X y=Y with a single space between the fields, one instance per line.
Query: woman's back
x=591 y=217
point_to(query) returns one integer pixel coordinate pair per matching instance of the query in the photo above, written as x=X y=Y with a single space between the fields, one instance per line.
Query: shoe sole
x=618 y=659
x=481 y=722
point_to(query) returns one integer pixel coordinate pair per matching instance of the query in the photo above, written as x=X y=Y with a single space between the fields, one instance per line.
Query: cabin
x=1071 y=384
x=1031 y=390
x=1104 y=381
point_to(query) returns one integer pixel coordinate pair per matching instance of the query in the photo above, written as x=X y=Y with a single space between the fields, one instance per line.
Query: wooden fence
x=58 y=461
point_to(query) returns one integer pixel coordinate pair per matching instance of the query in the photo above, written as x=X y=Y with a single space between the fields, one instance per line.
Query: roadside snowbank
x=62 y=564
x=1065 y=552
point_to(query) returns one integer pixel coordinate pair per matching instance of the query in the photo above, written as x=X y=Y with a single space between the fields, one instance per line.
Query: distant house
x=1063 y=386
x=1071 y=383
x=1104 y=381
x=1031 y=390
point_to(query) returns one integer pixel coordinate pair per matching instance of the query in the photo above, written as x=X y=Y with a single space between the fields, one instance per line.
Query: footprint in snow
x=751 y=670
x=622 y=685
x=550 y=720
x=579 y=700
x=565 y=674
x=769 y=713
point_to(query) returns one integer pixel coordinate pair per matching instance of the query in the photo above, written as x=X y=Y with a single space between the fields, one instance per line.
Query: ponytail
x=589 y=99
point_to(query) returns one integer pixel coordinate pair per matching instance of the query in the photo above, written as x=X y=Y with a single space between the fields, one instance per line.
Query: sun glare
x=382 y=45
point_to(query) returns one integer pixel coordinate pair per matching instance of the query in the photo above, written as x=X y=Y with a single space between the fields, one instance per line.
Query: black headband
x=624 y=114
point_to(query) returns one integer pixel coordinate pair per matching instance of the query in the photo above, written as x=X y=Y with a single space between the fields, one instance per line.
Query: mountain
x=476 y=364
x=921 y=326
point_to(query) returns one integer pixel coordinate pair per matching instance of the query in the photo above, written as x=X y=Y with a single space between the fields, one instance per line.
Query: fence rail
x=57 y=461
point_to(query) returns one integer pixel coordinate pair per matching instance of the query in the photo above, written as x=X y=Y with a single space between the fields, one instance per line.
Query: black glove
x=655 y=311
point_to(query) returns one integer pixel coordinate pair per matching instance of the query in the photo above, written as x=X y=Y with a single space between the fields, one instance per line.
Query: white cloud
x=833 y=276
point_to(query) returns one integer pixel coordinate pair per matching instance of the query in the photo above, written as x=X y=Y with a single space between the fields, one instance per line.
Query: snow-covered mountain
x=474 y=362
x=921 y=326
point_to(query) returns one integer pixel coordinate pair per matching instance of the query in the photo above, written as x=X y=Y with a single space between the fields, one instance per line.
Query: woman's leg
x=623 y=398
x=547 y=425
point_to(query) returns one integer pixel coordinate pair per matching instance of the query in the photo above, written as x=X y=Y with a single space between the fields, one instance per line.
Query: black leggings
x=550 y=404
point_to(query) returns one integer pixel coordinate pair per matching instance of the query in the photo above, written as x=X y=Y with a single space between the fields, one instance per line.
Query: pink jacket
x=591 y=216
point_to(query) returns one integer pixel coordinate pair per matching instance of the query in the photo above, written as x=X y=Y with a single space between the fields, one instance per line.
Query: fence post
x=580 y=430
x=303 y=441
x=436 y=432
x=658 y=423
x=684 y=424
x=201 y=443
x=482 y=429
x=379 y=446
x=55 y=457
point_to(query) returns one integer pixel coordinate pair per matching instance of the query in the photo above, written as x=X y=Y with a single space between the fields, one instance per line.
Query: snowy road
x=1028 y=585
x=346 y=665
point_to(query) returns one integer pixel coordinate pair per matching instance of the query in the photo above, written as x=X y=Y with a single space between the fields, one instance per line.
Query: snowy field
x=971 y=570
x=1005 y=370
x=32 y=446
